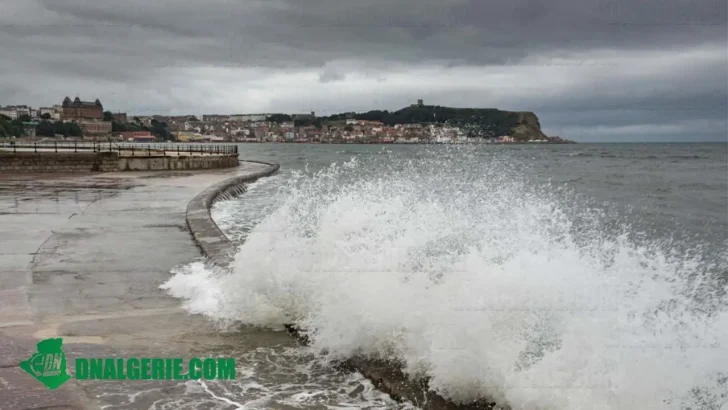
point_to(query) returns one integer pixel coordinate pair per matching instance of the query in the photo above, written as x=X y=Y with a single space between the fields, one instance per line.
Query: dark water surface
x=677 y=190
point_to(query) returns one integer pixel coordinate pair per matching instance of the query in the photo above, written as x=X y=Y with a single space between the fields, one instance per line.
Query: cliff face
x=527 y=128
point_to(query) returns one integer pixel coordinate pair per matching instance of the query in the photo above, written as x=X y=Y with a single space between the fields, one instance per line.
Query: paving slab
x=82 y=257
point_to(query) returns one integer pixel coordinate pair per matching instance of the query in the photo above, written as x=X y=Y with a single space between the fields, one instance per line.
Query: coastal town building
x=95 y=127
x=189 y=136
x=82 y=110
x=16 y=111
x=24 y=110
x=249 y=117
x=57 y=112
x=214 y=118
x=9 y=112
x=137 y=136
x=119 y=117
x=50 y=111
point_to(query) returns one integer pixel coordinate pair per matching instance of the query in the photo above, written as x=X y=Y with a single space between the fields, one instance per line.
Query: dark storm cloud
x=310 y=31
x=151 y=56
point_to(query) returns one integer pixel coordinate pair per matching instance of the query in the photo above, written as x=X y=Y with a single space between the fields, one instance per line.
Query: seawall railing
x=125 y=148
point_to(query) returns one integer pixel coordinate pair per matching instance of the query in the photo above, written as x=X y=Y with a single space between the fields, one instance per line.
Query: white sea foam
x=482 y=281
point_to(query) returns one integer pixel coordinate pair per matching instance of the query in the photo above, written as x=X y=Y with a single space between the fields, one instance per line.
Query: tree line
x=45 y=127
x=10 y=127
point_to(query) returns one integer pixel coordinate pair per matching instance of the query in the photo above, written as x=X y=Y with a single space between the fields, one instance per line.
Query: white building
x=249 y=117
x=24 y=110
x=15 y=111
x=9 y=112
x=213 y=138
x=46 y=110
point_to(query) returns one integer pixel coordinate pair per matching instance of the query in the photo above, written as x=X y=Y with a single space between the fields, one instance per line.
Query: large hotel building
x=82 y=110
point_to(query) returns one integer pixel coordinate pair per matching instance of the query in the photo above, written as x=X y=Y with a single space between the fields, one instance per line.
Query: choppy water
x=549 y=277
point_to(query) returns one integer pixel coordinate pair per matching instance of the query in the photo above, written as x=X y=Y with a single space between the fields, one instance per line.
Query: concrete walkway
x=82 y=257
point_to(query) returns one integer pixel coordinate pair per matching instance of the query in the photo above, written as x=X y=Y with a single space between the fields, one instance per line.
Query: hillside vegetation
x=478 y=122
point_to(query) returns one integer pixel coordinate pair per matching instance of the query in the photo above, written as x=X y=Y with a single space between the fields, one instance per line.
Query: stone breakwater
x=387 y=376
x=69 y=162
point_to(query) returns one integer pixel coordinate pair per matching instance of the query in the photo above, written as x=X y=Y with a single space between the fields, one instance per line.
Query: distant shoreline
x=391 y=143
x=106 y=140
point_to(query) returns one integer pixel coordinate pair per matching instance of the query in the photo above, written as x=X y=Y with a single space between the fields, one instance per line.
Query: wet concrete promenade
x=82 y=257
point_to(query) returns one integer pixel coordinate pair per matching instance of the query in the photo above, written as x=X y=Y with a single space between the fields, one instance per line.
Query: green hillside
x=482 y=122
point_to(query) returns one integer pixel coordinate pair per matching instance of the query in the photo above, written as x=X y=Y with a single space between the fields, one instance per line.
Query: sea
x=571 y=277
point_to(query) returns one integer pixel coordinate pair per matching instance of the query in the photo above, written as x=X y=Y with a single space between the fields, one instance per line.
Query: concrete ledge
x=73 y=162
x=58 y=162
x=386 y=376
x=173 y=163
x=208 y=236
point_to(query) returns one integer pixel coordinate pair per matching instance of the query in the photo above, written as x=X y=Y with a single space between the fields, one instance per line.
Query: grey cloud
x=307 y=32
x=151 y=56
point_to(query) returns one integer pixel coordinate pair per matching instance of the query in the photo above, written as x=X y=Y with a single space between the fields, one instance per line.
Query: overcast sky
x=592 y=70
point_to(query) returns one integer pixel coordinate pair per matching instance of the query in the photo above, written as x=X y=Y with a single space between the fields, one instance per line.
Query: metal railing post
x=35 y=146
x=55 y=145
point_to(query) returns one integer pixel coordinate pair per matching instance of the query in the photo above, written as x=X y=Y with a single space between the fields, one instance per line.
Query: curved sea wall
x=386 y=376
x=208 y=236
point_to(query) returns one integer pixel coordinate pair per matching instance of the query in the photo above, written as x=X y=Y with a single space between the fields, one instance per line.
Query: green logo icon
x=49 y=364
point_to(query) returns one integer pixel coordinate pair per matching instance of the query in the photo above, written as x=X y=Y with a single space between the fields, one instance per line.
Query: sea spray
x=457 y=265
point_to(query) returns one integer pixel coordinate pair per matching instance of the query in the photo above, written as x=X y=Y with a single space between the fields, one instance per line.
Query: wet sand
x=82 y=257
